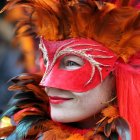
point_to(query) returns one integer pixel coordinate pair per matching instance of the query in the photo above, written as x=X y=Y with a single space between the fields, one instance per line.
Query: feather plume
x=121 y=126
x=127 y=2
x=26 y=124
x=12 y=110
x=31 y=103
x=117 y=27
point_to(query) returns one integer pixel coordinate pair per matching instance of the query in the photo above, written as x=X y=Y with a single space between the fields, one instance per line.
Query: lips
x=58 y=100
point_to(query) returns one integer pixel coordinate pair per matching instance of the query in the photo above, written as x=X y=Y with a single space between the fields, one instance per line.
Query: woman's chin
x=72 y=119
x=65 y=119
x=62 y=120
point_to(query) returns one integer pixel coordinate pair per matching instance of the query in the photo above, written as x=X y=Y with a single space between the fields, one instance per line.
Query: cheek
x=90 y=103
x=93 y=101
x=84 y=105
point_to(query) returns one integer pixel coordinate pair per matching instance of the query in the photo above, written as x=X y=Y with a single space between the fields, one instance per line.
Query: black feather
x=114 y=136
x=22 y=95
x=108 y=129
x=122 y=128
x=24 y=82
x=33 y=78
x=26 y=102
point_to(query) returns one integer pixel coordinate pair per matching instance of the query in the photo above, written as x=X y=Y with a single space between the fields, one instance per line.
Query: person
x=90 y=64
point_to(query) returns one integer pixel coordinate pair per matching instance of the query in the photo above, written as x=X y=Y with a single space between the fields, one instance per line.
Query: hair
x=116 y=26
x=128 y=94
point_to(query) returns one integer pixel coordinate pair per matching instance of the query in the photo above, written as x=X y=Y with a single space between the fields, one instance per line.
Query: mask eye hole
x=45 y=61
x=44 y=56
x=71 y=62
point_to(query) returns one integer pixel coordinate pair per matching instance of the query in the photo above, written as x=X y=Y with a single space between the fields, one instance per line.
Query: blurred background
x=16 y=56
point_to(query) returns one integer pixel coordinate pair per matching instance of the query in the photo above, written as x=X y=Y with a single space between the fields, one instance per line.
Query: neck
x=88 y=123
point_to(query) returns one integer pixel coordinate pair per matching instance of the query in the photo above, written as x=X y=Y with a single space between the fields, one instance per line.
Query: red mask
x=98 y=63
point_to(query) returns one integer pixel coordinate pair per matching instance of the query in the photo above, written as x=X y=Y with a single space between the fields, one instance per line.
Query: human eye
x=71 y=62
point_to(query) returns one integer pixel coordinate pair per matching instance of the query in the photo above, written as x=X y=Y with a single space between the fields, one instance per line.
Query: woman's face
x=67 y=106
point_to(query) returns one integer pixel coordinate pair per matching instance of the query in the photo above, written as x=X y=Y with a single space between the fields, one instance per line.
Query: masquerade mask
x=98 y=62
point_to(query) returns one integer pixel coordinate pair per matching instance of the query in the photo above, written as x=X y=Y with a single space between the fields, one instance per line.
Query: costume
x=105 y=37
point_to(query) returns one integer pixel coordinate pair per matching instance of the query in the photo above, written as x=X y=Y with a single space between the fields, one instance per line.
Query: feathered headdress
x=117 y=26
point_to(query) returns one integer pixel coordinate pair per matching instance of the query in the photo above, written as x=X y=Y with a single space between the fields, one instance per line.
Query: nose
x=46 y=89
